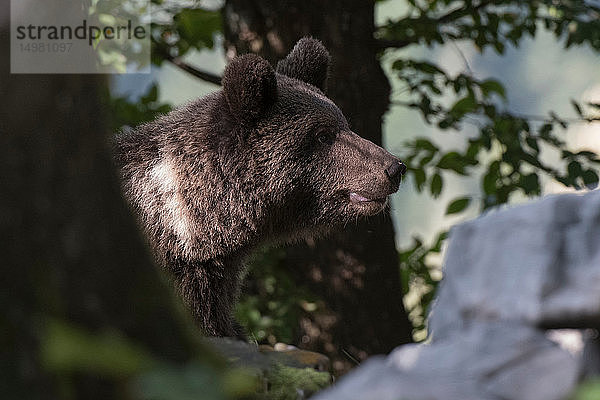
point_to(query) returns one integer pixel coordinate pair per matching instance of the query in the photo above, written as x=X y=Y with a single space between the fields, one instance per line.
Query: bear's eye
x=325 y=136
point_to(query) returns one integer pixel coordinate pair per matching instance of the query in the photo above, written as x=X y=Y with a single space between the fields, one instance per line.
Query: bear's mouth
x=365 y=199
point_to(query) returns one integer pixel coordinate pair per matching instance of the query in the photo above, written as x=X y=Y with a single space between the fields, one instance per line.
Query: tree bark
x=70 y=249
x=356 y=271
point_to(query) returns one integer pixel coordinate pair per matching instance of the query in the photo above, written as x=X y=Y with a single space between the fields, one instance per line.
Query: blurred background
x=487 y=102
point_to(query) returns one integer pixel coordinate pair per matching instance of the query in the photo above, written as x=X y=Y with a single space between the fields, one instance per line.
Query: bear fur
x=266 y=159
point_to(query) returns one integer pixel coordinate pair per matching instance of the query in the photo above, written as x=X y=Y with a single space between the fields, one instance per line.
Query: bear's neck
x=210 y=289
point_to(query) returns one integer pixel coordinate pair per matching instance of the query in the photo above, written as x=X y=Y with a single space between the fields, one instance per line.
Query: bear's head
x=305 y=161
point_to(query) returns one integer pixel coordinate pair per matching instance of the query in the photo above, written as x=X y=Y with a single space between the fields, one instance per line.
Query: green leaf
x=532 y=143
x=499 y=46
x=590 y=178
x=463 y=106
x=473 y=149
x=530 y=183
x=425 y=144
x=566 y=154
x=437 y=247
x=453 y=161
x=427 y=68
x=489 y=182
x=197 y=26
x=545 y=130
x=458 y=205
x=445 y=123
x=574 y=169
x=490 y=111
x=399 y=64
x=420 y=178
x=151 y=96
x=436 y=185
x=492 y=86
x=426 y=160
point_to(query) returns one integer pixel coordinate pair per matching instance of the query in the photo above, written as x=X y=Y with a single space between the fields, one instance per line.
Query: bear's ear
x=250 y=87
x=308 y=62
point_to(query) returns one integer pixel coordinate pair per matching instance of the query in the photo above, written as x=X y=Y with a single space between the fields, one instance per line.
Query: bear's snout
x=371 y=170
x=395 y=171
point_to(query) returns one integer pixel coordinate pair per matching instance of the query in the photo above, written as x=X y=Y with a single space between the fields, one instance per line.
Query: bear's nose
x=395 y=171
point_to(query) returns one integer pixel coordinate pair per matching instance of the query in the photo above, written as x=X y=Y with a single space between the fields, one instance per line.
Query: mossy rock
x=282 y=373
x=289 y=383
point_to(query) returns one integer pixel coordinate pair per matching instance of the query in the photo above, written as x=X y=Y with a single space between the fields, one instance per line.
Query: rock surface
x=508 y=276
x=538 y=264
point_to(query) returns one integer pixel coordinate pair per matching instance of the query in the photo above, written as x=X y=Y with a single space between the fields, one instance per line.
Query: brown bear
x=266 y=159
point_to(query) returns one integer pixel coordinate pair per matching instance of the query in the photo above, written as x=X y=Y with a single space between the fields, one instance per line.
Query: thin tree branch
x=460 y=12
x=541 y=118
x=383 y=44
x=205 y=76
x=529 y=117
x=462 y=55
x=451 y=15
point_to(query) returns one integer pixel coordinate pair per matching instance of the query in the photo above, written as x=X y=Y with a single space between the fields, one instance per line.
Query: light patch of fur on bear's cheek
x=174 y=215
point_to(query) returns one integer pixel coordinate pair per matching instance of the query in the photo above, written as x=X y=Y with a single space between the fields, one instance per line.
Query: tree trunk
x=355 y=271
x=71 y=253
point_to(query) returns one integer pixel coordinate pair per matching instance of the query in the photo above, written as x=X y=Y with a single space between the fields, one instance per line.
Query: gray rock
x=538 y=263
x=509 y=276
x=486 y=361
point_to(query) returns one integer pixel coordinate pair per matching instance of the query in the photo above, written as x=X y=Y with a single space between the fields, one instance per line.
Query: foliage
x=119 y=54
x=588 y=390
x=418 y=278
x=494 y=23
x=179 y=383
x=68 y=349
x=516 y=140
x=124 y=112
x=194 y=381
x=508 y=145
x=288 y=383
x=177 y=29
x=272 y=303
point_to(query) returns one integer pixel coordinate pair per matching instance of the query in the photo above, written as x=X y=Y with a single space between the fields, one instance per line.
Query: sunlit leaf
x=197 y=26
x=436 y=185
x=458 y=205
x=492 y=86
x=420 y=178
x=463 y=106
